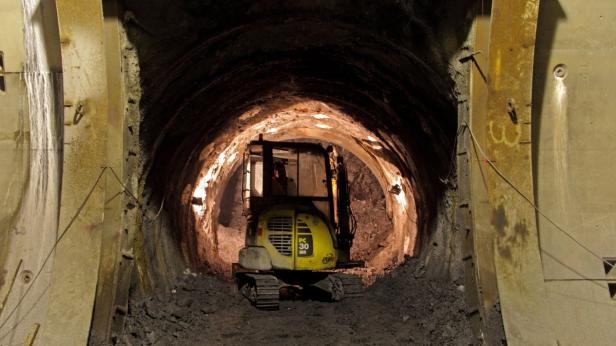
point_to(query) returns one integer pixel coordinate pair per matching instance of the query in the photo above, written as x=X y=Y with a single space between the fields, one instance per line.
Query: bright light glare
x=210 y=177
x=407 y=243
x=320 y=116
x=323 y=126
x=372 y=139
x=272 y=130
x=400 y=197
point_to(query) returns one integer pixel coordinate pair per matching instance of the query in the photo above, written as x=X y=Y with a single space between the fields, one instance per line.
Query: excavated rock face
x=205 y=63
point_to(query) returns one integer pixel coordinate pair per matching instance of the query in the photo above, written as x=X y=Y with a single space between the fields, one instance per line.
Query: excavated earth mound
x=402 y=309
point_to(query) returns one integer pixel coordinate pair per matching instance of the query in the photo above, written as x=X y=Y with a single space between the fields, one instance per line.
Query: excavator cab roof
x=293 y=145
x=287 y=173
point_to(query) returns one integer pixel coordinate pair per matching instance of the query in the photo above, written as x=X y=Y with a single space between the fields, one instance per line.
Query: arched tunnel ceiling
x=203 y=64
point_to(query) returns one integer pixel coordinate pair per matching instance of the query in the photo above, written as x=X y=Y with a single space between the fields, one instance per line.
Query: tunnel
x=371 y=80
x=306 y=77
x=198 y=81
x=303 y=121
x=475 y=137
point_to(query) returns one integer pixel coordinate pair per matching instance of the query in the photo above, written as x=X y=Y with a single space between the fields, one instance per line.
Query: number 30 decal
x=304 y=245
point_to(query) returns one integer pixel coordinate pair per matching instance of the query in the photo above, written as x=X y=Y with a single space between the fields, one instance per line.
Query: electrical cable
x=38 y=299
x=159 y=209
x=127 y=191
x=53 y=248
x=124 y=185
x=113 y=197
x=66 y=229
x=529 y=201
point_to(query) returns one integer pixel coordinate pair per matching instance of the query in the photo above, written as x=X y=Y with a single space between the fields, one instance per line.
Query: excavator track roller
x=352 y=285
x=262 y=290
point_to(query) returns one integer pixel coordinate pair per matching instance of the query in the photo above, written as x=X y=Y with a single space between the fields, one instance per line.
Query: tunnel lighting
x=272 y=130
x=323 y=126
x=200 y=192
x=377 y=147
x=407 y=243
x=232 y=157
x=399 y=194
x=372 y=139
x=401 y=198
x=320 y=116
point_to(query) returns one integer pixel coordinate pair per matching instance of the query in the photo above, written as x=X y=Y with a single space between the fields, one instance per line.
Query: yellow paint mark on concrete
x=502 y=136
x=32 y=335
x=530 y=10
x=497 y=69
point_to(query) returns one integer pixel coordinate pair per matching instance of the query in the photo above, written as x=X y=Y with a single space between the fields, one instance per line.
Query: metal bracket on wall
x=79 y=112
x=2 y=80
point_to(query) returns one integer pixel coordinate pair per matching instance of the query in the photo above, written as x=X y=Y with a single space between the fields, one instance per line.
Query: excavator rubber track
x=265 y=291
x=352 y=285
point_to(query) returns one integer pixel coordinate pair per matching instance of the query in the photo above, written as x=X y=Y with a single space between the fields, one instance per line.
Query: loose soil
x=402 y=308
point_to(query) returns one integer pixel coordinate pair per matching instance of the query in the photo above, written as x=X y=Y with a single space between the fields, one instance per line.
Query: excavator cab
x=300 y=226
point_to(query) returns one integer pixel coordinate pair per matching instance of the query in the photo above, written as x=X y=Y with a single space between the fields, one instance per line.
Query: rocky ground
x=401 y=309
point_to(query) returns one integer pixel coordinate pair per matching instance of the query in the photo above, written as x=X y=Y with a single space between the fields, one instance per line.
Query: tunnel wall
x=500 y=170
x=31 y=155
x=175 y=120
x=474 y=217
x=573 y=151
x=14 y=142
x=557 y=262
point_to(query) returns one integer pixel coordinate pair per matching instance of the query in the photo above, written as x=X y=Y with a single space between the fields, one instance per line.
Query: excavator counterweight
x=300 y=226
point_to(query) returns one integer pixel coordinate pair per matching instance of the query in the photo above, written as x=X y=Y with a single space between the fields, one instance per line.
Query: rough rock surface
x=374 y=227
x=400 y=309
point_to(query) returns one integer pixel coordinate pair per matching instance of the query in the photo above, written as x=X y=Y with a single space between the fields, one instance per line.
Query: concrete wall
x=30 y=120
x=543 y=274
x=574 y=152
x=14 y=127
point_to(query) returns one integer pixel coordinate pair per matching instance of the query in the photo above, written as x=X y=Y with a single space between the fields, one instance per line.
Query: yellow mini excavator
x=300 y=227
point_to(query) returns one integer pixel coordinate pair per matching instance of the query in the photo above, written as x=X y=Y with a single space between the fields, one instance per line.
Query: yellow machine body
x=296 y=240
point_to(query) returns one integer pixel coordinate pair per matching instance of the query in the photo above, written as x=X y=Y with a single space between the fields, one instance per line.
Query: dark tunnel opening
x=371 y=78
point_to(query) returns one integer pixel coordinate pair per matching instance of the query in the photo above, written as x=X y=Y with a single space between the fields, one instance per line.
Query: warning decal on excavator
x=304 y=245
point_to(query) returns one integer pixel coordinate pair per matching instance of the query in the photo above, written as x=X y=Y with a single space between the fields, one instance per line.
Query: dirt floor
x=400 y=309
